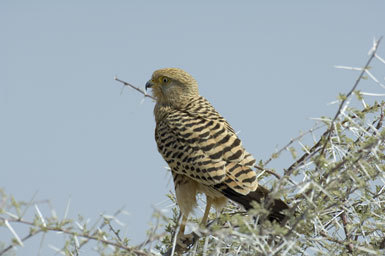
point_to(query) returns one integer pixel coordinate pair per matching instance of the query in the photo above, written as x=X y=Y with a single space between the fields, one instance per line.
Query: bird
x=202 y=150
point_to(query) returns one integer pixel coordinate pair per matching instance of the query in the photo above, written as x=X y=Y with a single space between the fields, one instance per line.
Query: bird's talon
x=185 y=241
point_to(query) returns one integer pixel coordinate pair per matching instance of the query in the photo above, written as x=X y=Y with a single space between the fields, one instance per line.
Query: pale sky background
x=67 y=132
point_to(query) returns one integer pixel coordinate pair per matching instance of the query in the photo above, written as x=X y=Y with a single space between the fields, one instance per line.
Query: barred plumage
x=203 y=151
x=197 y=142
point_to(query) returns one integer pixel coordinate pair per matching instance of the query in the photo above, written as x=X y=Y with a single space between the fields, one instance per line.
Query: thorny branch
x=30 y=235
x=316 y=147
x=73 y=233
x=100 y=228
x=291 y=142
x=342 y=104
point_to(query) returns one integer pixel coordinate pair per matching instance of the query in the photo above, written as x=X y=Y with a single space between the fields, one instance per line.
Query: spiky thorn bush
x=336 y=189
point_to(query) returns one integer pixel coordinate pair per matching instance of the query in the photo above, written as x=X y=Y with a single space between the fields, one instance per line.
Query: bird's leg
x=209 y=202
x=182 y=225
x=184 y=241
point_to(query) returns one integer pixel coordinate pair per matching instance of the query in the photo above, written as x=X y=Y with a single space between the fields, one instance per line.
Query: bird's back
x=198 y=142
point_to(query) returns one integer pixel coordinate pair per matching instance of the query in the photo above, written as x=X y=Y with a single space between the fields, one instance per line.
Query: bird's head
x=173 y=86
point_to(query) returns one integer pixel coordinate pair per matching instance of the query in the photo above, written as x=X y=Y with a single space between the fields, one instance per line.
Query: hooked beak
x=149 y=84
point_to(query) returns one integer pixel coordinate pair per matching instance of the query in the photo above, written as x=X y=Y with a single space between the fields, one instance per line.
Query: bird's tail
x=275 y=207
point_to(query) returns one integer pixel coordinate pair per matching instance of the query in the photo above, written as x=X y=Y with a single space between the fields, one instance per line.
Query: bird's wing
x=199 y=143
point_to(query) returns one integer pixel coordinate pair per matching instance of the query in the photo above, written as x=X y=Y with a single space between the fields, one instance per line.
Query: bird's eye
x=165 y=80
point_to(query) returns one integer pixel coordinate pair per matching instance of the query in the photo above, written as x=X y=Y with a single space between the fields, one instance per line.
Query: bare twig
x=379 y=124
x=134 y=87
x=116 y=232
x=268 y=171
x=345 y=223
x=332 y=239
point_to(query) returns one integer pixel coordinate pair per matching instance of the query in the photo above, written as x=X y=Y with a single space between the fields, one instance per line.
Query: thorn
x=40 y=215
x=13 y=233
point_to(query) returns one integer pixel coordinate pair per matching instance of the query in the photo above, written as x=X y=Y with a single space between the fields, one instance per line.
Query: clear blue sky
x=67 y=132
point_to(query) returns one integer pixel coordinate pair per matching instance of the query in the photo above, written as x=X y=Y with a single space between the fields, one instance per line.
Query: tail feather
x=258 y=196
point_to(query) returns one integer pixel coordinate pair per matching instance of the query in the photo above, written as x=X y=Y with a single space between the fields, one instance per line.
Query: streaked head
x=173 y=86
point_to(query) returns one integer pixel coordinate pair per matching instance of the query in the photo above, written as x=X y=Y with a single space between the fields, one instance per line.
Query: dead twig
x=134 y=87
